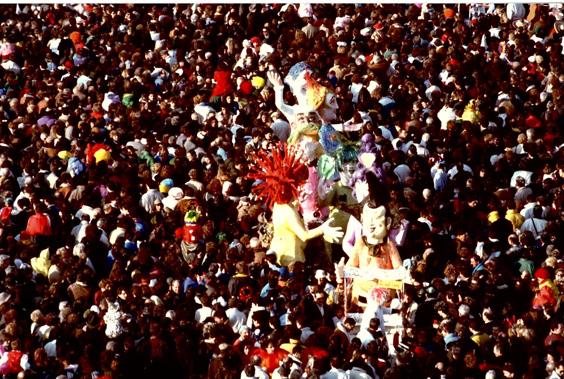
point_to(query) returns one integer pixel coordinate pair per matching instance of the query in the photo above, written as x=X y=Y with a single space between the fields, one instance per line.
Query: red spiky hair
x=280 y=173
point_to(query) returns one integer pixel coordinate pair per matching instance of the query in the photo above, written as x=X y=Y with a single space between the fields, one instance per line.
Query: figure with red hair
x=280 y=175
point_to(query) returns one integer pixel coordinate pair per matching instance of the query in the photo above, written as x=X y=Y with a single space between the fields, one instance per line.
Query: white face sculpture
x=308 y=116
x=328 y=111
x=375 y=224
x=298 y=82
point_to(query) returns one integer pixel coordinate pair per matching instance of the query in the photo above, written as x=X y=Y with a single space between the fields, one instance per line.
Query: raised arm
x=351 y=235
x=295 y=224
x=278 y=85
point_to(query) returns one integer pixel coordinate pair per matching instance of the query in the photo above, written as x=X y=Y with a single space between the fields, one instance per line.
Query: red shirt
x=5 y=214
x=223 y=84
x=39 y=224
x=190 y=233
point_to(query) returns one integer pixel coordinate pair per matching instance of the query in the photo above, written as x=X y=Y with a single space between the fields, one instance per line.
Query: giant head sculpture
x=375 y=220
x=310 y=94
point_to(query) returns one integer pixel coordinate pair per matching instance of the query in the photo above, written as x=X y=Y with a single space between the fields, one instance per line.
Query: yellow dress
x=289 y=235
x=285 y=240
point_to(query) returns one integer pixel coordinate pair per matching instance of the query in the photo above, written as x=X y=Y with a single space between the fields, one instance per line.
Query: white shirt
x=454 y=170
x=75 y=232
x=334 y=373
x=83 y=81
x=440 y=180
x=534 y=225
x=365 y=337
x=515 y=11
x=237 y=319
x=116 y=233
x=195 y=185
x=527 y=210
x=522 y=173
x=202 y=314
x=259 y=374
x=306 y=333
x=53 y=45
x=169 y=202
x=445 y=115
x=355 y=90
x=374 y=311
x=358 y=373
x=203 y=110
x=402 y=172
x=341 y=328
x=82 y=233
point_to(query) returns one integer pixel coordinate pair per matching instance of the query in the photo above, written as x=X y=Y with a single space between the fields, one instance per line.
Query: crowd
x=133 y=246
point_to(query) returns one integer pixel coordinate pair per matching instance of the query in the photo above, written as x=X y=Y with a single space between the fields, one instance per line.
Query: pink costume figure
x=352 y=234
x=312 y=213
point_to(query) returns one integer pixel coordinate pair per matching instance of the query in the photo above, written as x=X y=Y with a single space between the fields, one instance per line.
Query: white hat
x=365 y=32
x=223 y=346
x=254 y=242
x=463 y=310
x=320 y=274
x=220 y=300
x=226 y=186
x=176 y=193
x=157 y=300
x=4 y=297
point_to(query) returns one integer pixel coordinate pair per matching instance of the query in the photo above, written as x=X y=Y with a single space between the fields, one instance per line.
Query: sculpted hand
x=331 y=233
x=275 y=79
x=340 y=270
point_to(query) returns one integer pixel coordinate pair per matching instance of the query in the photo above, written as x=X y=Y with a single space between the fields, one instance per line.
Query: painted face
x=374 y=224
x=328 y=111
x=308 y=117
x=308 y=92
